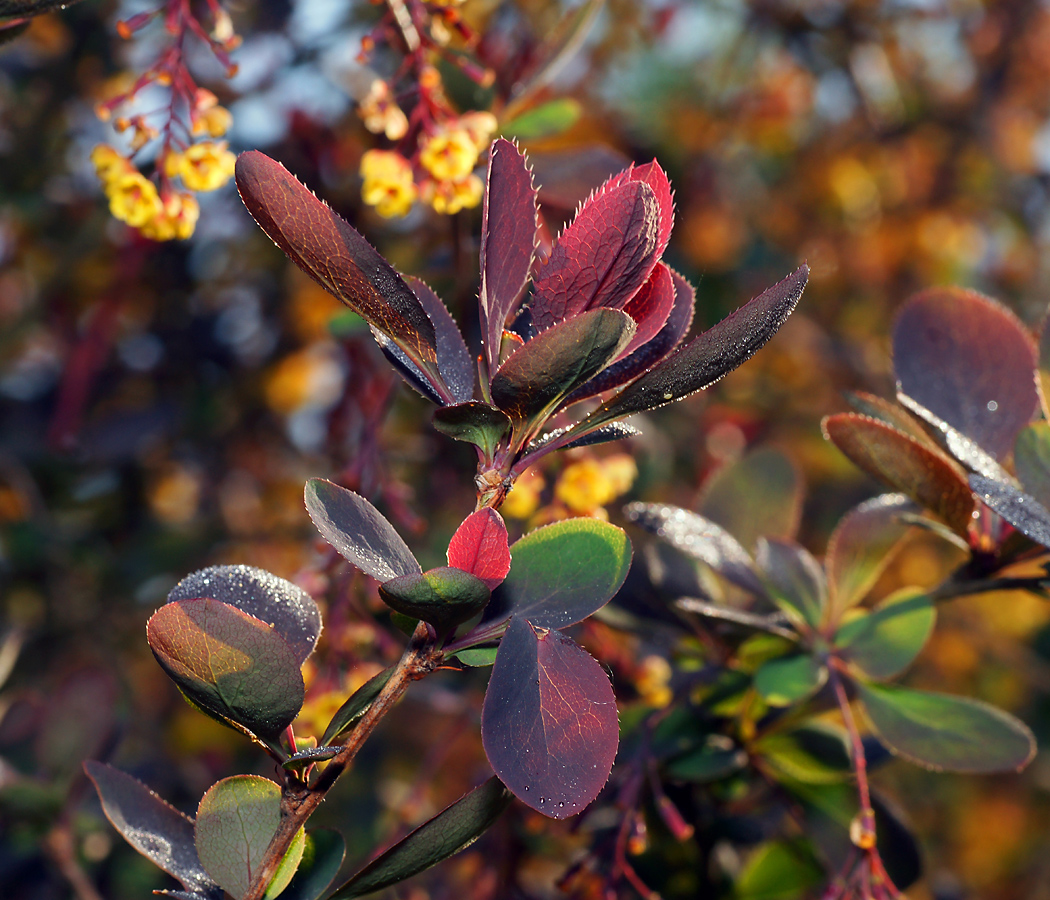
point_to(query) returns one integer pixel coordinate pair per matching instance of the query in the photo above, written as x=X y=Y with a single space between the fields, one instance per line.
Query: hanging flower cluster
x=190 y=159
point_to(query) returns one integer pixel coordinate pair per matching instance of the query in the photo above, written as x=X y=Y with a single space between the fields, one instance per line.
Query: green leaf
x=884 y=642
x=475 y=423
x=444 y=597
x=539 y=375
x=561 y=573
x=452 y=830
x=815 y=753
x=942 y=732
x=236 y=819
x=355 y=707
x=796 y=581
x=861 y=546
x=790 y=680
x=322 y=856
x=715 y=759
x=550 y=118
x=778 y=871
x=1032 y=460
x=477 y=657
x=228 y=662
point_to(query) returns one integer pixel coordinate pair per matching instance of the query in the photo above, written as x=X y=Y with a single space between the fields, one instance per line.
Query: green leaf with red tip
x=561 y=573
x=336 y=256
x=602 y=258
x=358 y=531
x=228 y=662
x=443 y=597
x=863 y=543
x=538 y=376
x=970 y=361
x=790 y=679
x=708 y=357
x=475 y=423
x=902 y=463
x=480 y=547
x=152 y=826
x=509 y=222
x=236 y=819
x=549 y=723
x=946 y=733
x=884 y=642
x=453 y=829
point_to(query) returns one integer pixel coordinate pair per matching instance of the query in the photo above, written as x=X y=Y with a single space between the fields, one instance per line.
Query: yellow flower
x=202 y=167
x=215 y=120
x=588 y=484
x=653 y=681
x=450 y=155
x=133 y=199
x=450 y=197
x=524 y=498
x=480 y=126
x=108 y=163
x=388 y=183
x=380 y=112
x=177 y=219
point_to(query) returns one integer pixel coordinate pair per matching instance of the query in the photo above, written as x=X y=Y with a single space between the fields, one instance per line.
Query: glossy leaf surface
x=885 y=641
x=335 y=255
x=796 y=581
x=480 y=546
x=508 y=241
x=291 y=610
x=236 y=819
x=153 y=827
x=790 y=679
x=549 y=724
x=443 y=597
x=455 y=364
x=537 y=376
x=1025 y=513
x=356 y=706
x=970 y=361
x=861 y=546
x=561 y=573
x=323 y=854
x=700 y=539
x=475 y=423
x=708 y=357
x=942 y=732
x=358 y=531
x=228 y=662
x=1032 y=460
x=453 y=829
x=902 y=463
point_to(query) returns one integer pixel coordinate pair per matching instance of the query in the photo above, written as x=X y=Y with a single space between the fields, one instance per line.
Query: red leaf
x=549 y=722
x=480 y=547
x=508 y=241
x=602 y=258
x=652 y=175
x=651 y=306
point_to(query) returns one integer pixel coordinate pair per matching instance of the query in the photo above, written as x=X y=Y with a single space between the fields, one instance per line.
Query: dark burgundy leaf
x=708 y=357
x=537 y=376
x=335 y=255
x=549 y=724
x=291 y=611
x=480 y=546
x=1025 y=513
x=508 y=241
x=614 y=431
x=358 y=531
x=602 y=258
x=406 y=368
x=153 y=827
x=970 y=362
x=474 y=422
x=455 y=363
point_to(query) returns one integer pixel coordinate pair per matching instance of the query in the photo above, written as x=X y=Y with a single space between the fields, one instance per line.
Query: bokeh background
x=161 y=405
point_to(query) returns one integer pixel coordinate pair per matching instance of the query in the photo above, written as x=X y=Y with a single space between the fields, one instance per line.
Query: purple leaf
x=970 y=362
x=508 y=241
x=602 y=258
x=549 y=724
x=1025 y=513
x=455 y=363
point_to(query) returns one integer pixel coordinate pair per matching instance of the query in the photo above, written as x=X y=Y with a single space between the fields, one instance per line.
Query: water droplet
x=560 y=805
x=992 y=406
x=526 y=789
x=668 y=396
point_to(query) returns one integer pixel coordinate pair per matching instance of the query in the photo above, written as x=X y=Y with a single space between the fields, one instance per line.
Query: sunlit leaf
x=236 y=819
x=561 y=573
x=814 y=753
x=287 y=607
x=323 y=855
x=795 y=580
x=552 y=117
x=355 y=707
x=228 y=662
x=1032 y=460
x=1025 y=513
x=790 y=680
x=778 y=871
x=614 y=431
x=453 y=829
x=444 y=597
x=969 y=361
x=884 y=642
x=549 y=723
x=863 y=543
x=928 y=477
x=477 y=657
x=153 y=827
x=480 y=547
x=891 y=414
x=942 y=732
x=358 y=531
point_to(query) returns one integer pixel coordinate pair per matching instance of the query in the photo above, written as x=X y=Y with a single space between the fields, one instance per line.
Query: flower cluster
x=154 y=205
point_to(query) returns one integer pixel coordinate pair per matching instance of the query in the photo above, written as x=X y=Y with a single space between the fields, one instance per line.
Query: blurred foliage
x=163 y=404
